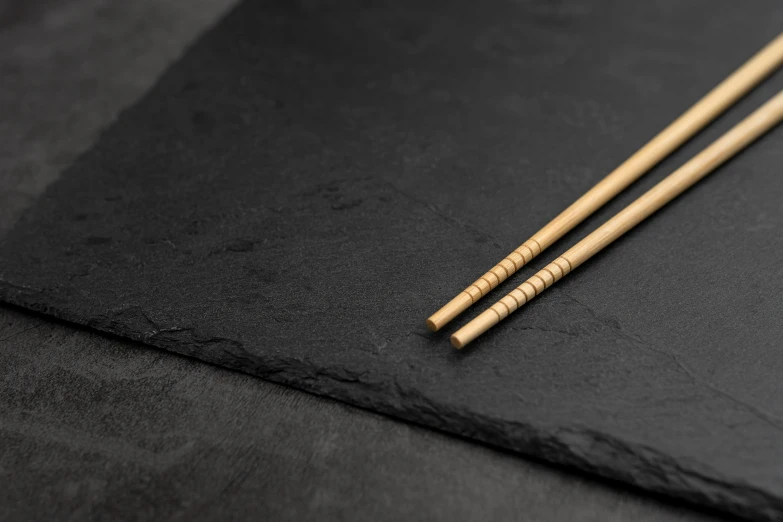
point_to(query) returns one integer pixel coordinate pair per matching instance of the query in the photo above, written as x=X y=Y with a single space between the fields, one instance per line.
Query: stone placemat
x=311 y=181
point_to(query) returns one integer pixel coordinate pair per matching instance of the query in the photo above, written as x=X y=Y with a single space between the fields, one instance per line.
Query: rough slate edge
x=616 y=459
x=47 y=331
x=587 y=451
x=590 y=452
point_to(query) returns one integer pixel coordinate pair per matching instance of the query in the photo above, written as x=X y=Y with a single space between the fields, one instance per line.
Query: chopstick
x=672 y=137
x=744 y=133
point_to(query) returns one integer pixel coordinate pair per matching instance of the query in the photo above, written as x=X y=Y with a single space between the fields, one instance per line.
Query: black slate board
x=310 y=182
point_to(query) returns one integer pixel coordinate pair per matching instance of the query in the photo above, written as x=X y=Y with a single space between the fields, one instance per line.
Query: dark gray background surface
x=402 y=467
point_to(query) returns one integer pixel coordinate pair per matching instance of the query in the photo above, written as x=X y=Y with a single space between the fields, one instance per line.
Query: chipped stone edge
x=571 y=447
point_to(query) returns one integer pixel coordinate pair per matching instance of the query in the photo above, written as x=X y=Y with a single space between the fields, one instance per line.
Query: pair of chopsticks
x=670 y=139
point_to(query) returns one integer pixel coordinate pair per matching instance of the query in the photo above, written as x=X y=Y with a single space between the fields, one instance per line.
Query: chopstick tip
x=468 y=333
x=449 y=311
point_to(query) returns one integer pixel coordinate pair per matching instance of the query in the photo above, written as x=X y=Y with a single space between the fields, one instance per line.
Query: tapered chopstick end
x=451 y=310
x=473 y=329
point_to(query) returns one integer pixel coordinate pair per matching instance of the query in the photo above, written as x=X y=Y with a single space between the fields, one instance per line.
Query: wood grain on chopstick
x=672 y=137
x=740 y=136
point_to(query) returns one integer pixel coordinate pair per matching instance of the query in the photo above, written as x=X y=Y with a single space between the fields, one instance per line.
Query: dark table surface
x=243 y=447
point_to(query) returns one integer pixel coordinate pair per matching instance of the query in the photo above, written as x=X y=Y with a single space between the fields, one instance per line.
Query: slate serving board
x=312 y=180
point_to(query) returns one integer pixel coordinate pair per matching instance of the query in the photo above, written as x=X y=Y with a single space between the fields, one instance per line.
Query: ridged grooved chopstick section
x=744 y=133
x=671 y=138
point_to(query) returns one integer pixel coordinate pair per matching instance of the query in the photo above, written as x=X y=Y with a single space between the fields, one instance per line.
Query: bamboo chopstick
x=671 y=138
x=740 y=136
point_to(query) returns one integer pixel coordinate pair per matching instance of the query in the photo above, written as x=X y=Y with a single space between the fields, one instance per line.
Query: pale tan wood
x=672 y=137
x=744 y=133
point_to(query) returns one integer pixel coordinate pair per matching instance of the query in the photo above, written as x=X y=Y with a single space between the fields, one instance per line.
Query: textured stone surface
x=269 y=450
x=251 y=153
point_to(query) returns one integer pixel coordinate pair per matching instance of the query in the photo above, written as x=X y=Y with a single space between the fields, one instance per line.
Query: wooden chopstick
x=672 y=137
x=740 y=136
